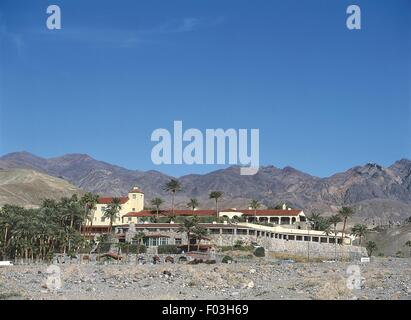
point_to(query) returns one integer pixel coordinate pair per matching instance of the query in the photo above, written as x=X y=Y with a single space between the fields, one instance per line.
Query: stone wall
x=293 y=247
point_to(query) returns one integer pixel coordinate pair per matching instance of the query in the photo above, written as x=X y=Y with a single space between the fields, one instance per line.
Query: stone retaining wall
x=293 y=247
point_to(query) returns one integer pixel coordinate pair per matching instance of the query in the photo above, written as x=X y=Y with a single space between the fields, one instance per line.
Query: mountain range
x=377 y=193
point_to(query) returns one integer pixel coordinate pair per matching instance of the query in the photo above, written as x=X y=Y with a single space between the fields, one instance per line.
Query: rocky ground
x=260 y=278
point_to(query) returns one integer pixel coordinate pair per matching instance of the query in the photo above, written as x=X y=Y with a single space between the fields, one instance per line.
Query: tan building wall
x=133 y=203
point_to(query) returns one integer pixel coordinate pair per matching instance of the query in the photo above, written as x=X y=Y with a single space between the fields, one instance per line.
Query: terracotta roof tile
x=107 y=200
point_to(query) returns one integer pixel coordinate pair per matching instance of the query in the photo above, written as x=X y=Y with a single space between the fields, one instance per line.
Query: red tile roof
x=107 y=200
x=151 y=213
x=177 y=225
x=267 y=212
x=246 y=212
x=156 y=235
x=137 y=190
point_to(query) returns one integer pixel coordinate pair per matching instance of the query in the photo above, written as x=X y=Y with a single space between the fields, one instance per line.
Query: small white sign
x=365 y=259
x=5 y=263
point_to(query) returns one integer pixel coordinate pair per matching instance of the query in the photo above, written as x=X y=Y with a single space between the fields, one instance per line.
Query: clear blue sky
x=324 y=98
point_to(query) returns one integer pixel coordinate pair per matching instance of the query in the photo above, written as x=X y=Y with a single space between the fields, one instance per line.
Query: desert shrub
x=167 y=249
x=226 y=259
x=196 y=261
x=236 y=248
x=104 y=247
x=206 y=219
x=210 y=262
x=238 y=244
x=399 y=254
x=259 y=252
x=133 y=248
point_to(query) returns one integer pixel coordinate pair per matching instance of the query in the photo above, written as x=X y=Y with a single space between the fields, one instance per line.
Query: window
x=163 y=241
x=130 y=219
x=103 y=219
x=241 y=231
x=133 y=209
x=291 y=237
x=214 y=231
x=103 y=209
x=177 y=241
x=134 y=196
x=299 y=238
x=228 y=231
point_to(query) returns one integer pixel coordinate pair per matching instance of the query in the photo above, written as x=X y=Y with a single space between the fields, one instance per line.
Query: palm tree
x=359 y=230
x=73 y=214
x=112 y=210
x=35 y=234
x=173 y=186
x=187 y=227
x=216 y=195
x=334 y=220
x=371 y=246
x=139 y=236
x=314 y=218
x=192 y=204
x=89 y=201
x=408 y=244
x=345 y=213
x=319 y=223
x=157 y=202
x=199 y=233
x=254 y=204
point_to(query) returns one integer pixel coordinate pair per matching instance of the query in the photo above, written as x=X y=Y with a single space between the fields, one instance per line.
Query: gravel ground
x=382 y=278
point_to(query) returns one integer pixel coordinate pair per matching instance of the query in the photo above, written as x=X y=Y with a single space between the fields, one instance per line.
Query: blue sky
x=324 y=98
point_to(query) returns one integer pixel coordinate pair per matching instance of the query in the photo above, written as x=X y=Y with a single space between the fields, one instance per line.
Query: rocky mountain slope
x=26 y=187
x=376 y=192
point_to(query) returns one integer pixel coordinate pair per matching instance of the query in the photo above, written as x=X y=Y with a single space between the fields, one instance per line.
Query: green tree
x=139 y=237
x=157 y=202
x=192 y=204
x=216 y=195
x=200 y=233
x=173 y=186
x=112 y=211
x=359 y=230
x=334 y=220
x=319 y=223
x=345 y=213
x=371 y=246
x=255 y=204
x=408 y=244
x=188 y=226
x=89 y=202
